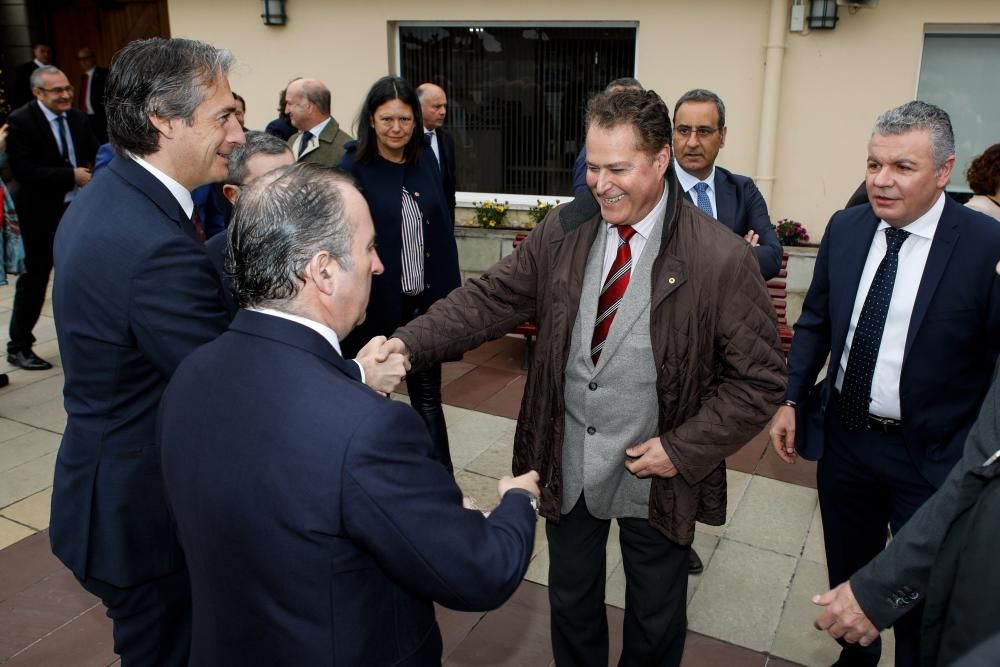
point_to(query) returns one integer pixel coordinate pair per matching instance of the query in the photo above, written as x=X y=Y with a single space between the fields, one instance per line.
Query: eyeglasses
x=58 y=91
x=703 y=132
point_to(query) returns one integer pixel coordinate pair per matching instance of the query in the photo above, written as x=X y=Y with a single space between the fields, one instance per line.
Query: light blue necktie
x=704 y=203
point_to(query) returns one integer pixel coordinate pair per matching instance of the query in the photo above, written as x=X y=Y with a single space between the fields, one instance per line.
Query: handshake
x=385 y=363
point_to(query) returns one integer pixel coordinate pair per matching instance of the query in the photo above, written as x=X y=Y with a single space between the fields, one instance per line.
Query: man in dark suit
x=134 y=294
x=434 y=108
x=350 y=529
x=22 y=92
x=51 y=149
x=90 y=94
x=734 y=200
x=906 y=303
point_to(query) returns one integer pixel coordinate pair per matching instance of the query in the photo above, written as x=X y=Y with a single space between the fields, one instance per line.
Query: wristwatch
x=532 y=498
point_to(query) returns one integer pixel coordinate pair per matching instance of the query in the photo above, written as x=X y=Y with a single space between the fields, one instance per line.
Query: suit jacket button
x=416 y=194
x=591 y=430
x=592 y=386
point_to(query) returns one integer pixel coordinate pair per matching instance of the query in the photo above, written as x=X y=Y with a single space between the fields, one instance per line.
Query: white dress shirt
x=326 y=332
x=70 y=148
x=688 y=182
x=912 y=259
x=88 y=107
x=434 y=143
x=315 y=131
x=638 y=240
x=179 y=192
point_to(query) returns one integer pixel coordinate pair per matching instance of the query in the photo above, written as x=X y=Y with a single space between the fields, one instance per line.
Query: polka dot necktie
x=855 y=395
x=612 y=292
x=704 y=203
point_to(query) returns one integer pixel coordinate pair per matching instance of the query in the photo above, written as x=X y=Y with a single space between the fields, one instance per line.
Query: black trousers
x=152 y=621
x=655 y=623
x=424 y=388
x=868 y=485
x=38 y=236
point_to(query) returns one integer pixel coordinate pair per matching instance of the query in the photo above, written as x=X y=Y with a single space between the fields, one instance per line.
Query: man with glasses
x=51 y=149
x=90 y=95
x=733 y=200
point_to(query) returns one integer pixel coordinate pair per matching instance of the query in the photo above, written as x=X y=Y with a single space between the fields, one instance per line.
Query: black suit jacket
x=446 y=146
x=134 y=293
x=951 y=345
x=43 y=177
x=99 y=119
x=741 y=207
x=313 y=518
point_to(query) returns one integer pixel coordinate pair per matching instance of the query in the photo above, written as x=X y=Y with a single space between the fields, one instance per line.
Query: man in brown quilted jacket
x=631 y=421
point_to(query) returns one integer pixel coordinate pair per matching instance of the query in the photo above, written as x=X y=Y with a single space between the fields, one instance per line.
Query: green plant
x=538 y=213
x=491 y=214
x=791 y=233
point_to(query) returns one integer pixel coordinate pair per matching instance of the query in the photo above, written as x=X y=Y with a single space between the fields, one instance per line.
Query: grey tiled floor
x=762 y=566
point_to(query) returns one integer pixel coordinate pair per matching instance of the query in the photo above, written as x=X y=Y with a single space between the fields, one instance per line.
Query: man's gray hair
x=702 y=95
x=39 y=72
x=317 y=93
x=257 y=143
x=280 y=222
x=917 y=115
x=168 y=78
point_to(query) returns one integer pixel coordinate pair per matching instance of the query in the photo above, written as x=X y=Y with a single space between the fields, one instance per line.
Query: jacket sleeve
x=811 y=342
x=483 y=309
x=751 y=371
x=907 y=561
x=175 y=304
x=25 y=149
x=405 y=509
x=769 y=251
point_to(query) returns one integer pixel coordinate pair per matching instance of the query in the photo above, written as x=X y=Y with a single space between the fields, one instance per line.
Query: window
x=958 y=73
x=516 y=96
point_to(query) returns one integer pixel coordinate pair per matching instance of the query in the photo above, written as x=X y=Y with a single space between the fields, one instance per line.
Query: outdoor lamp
x=823 y=14
x=274 y=12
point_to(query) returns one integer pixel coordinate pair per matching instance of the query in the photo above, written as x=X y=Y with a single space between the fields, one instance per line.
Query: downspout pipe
x=774 y=55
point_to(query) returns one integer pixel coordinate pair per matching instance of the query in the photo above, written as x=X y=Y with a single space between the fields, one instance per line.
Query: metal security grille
x=516 y=96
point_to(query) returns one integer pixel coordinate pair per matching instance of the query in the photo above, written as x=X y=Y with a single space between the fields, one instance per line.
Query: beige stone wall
x=834 y=83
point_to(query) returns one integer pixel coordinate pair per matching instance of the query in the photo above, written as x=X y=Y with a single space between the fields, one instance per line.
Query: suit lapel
x=45 y=131
x=942 y=245
x=132 y=172
x=846 y=267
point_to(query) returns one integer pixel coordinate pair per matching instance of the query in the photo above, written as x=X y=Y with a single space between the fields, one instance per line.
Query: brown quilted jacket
x=712 y=329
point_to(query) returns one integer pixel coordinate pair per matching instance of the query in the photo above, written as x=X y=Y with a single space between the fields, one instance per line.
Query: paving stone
x=12 y=429
x=32 y=444
x=741 y=595
x=814 y=549
x=26 y=479
x=38 y=404
x=773 y=515
x=33 y=511
x=11 y=532
x=474 y=433
x=796 y=638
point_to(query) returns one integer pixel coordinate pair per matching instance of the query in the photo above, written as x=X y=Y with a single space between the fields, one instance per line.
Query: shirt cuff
x=360 y=370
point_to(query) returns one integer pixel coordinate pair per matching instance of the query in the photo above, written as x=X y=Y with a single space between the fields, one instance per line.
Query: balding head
x=307 y=103
x=433 y=105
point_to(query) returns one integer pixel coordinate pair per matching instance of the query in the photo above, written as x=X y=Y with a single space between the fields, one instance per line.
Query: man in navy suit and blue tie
x=734 y=200
x=316 y=525
x=905 y=302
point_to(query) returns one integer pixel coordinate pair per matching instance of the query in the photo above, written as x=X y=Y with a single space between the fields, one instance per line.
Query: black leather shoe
x=4 y=380
x=29 y=361
x=695 y=566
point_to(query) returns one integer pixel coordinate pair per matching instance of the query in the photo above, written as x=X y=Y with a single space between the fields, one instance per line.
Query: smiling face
x=626 y=181
x=901 y=180
x=393 y=123
x=56 y=93
x=299 y=109
x=698 y=137
x=198 y=153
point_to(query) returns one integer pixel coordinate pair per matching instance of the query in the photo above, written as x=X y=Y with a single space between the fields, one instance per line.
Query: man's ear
x=229 y=191
x=322 y=273
x=164 y=126
x=722 y=136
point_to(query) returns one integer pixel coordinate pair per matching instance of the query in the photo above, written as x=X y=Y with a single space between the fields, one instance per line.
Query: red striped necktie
x=613 y=291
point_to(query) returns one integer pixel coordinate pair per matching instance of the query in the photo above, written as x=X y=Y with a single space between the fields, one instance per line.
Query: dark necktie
x=612 y=292
x=855 y=394
x=704 y=203
x=61 y=120
x=196 y=223
x=84 y=85
x=306 y=138
x=429 y=142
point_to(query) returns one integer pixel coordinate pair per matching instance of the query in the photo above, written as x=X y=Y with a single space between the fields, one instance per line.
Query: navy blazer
x=741 y=207
x=316 y=526
x=951 y=345
x=446 y=147
x=381 y=182
x=43 y=176
x=134 y=293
